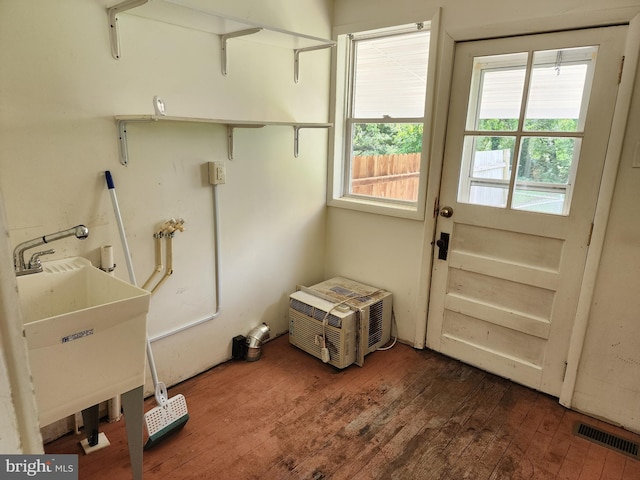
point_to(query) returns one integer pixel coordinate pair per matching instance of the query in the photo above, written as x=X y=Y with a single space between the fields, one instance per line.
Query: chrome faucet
x=22 y=268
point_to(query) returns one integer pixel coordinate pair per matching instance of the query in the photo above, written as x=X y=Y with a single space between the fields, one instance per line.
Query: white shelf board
x=199 y=16
x=235 y=123
x=123 y=120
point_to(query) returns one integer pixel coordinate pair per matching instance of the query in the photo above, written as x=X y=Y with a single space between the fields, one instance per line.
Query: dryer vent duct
x=255 y=338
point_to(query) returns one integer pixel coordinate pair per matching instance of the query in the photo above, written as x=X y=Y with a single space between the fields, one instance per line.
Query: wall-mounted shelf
x=197 y=15
x=123 y=120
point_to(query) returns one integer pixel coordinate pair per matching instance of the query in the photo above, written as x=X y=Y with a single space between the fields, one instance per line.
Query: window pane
x=489 y=196
x=391 y=76
x=546 y=159
x=486 y=170
x=546 y=167
x=538 y=200
x=557 y=92
x=385 y=160
x=496 y=92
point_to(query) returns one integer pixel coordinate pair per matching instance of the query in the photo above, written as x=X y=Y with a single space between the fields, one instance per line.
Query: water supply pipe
x=167 y=230
x=159 y=266
x=169 y=269
x=217 y=280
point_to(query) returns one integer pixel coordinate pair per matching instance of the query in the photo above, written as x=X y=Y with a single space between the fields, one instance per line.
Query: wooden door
x=529 y=122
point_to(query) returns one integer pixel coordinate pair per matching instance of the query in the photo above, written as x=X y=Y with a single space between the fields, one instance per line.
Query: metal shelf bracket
x=296 y=136
x=296 y=57
x=112 y=13
x=122 y=140
x=230 y=129
x=227 y=36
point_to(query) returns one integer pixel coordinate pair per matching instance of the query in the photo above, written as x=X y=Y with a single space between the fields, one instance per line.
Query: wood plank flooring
x=407 y=414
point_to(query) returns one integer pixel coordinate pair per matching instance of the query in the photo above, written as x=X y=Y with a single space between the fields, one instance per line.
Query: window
x=526 y=108
x=379 y=139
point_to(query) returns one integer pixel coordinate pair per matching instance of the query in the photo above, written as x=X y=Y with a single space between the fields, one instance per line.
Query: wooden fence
x=387 y=176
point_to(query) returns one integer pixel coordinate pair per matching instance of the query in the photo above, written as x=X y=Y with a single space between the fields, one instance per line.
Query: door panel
x=529 y=122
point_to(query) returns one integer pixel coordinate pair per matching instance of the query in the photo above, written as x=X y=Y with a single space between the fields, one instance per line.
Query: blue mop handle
x=109 y=179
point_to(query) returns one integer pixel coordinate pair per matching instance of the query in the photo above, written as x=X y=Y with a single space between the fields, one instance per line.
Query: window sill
x=410 y=212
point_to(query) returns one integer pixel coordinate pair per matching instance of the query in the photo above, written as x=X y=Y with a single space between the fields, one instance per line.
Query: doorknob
x=446 y=212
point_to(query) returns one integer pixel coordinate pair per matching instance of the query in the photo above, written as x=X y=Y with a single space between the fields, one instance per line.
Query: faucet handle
x=34 y=262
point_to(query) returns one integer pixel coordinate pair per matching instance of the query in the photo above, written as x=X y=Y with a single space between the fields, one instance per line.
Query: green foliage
x=546 y=159
x=543 y=159
x=386 y=138
x=498 y=124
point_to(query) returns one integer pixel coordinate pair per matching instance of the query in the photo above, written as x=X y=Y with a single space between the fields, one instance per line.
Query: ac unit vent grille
x=313 y=312
x=305 y=331
x=375 y=323
x=302 y=307
x=331 y=319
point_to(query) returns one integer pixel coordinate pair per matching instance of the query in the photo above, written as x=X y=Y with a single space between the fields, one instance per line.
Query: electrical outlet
x=217 y=173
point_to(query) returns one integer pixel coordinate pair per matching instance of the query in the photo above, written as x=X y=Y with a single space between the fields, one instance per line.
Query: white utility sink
x=86 y=335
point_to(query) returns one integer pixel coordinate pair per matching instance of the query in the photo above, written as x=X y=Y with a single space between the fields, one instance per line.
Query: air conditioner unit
x=348 y=318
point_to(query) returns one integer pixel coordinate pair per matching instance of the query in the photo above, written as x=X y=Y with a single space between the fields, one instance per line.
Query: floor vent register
x=605 y=439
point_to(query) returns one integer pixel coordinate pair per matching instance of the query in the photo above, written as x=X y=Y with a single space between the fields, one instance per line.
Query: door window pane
x=558 y=91
x=496 y=92
x=546 y=168
x=533 y=199
x=488 y=161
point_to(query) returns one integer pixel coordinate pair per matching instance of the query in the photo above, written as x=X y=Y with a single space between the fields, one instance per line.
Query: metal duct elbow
x=255 y=338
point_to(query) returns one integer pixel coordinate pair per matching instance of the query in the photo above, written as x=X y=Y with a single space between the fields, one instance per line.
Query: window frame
x=338 y=194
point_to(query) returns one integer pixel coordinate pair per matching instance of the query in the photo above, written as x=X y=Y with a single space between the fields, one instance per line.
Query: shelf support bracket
x=230 y=129
x=296 y=136
x=227 y=36
x=113 y=23
x=296 y=57
x=122 y=139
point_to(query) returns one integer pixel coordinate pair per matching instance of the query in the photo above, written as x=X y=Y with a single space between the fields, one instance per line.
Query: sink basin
x=85 y=333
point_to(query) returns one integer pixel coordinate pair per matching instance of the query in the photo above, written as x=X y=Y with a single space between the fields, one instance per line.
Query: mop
x=170 y=414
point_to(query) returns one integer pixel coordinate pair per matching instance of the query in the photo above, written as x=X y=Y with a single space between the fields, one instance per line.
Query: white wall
x=610 y=365
x=607 y=383
x=59 y=91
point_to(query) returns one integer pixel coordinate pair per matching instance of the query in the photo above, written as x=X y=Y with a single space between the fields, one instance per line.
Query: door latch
x=443 y=246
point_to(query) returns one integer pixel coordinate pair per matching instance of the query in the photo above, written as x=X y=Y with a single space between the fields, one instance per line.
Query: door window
x=524 y=127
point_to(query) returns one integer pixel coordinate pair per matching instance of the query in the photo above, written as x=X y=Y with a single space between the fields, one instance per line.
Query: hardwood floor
x=407 y=414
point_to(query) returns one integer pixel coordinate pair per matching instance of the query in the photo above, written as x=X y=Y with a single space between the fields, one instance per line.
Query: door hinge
x=590 y=234
x=620 y=72
x=564 y=371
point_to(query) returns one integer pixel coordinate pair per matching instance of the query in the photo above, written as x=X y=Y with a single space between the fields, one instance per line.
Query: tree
x=386 y=138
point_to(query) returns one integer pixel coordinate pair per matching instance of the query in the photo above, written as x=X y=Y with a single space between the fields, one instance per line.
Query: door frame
x=446 y=52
